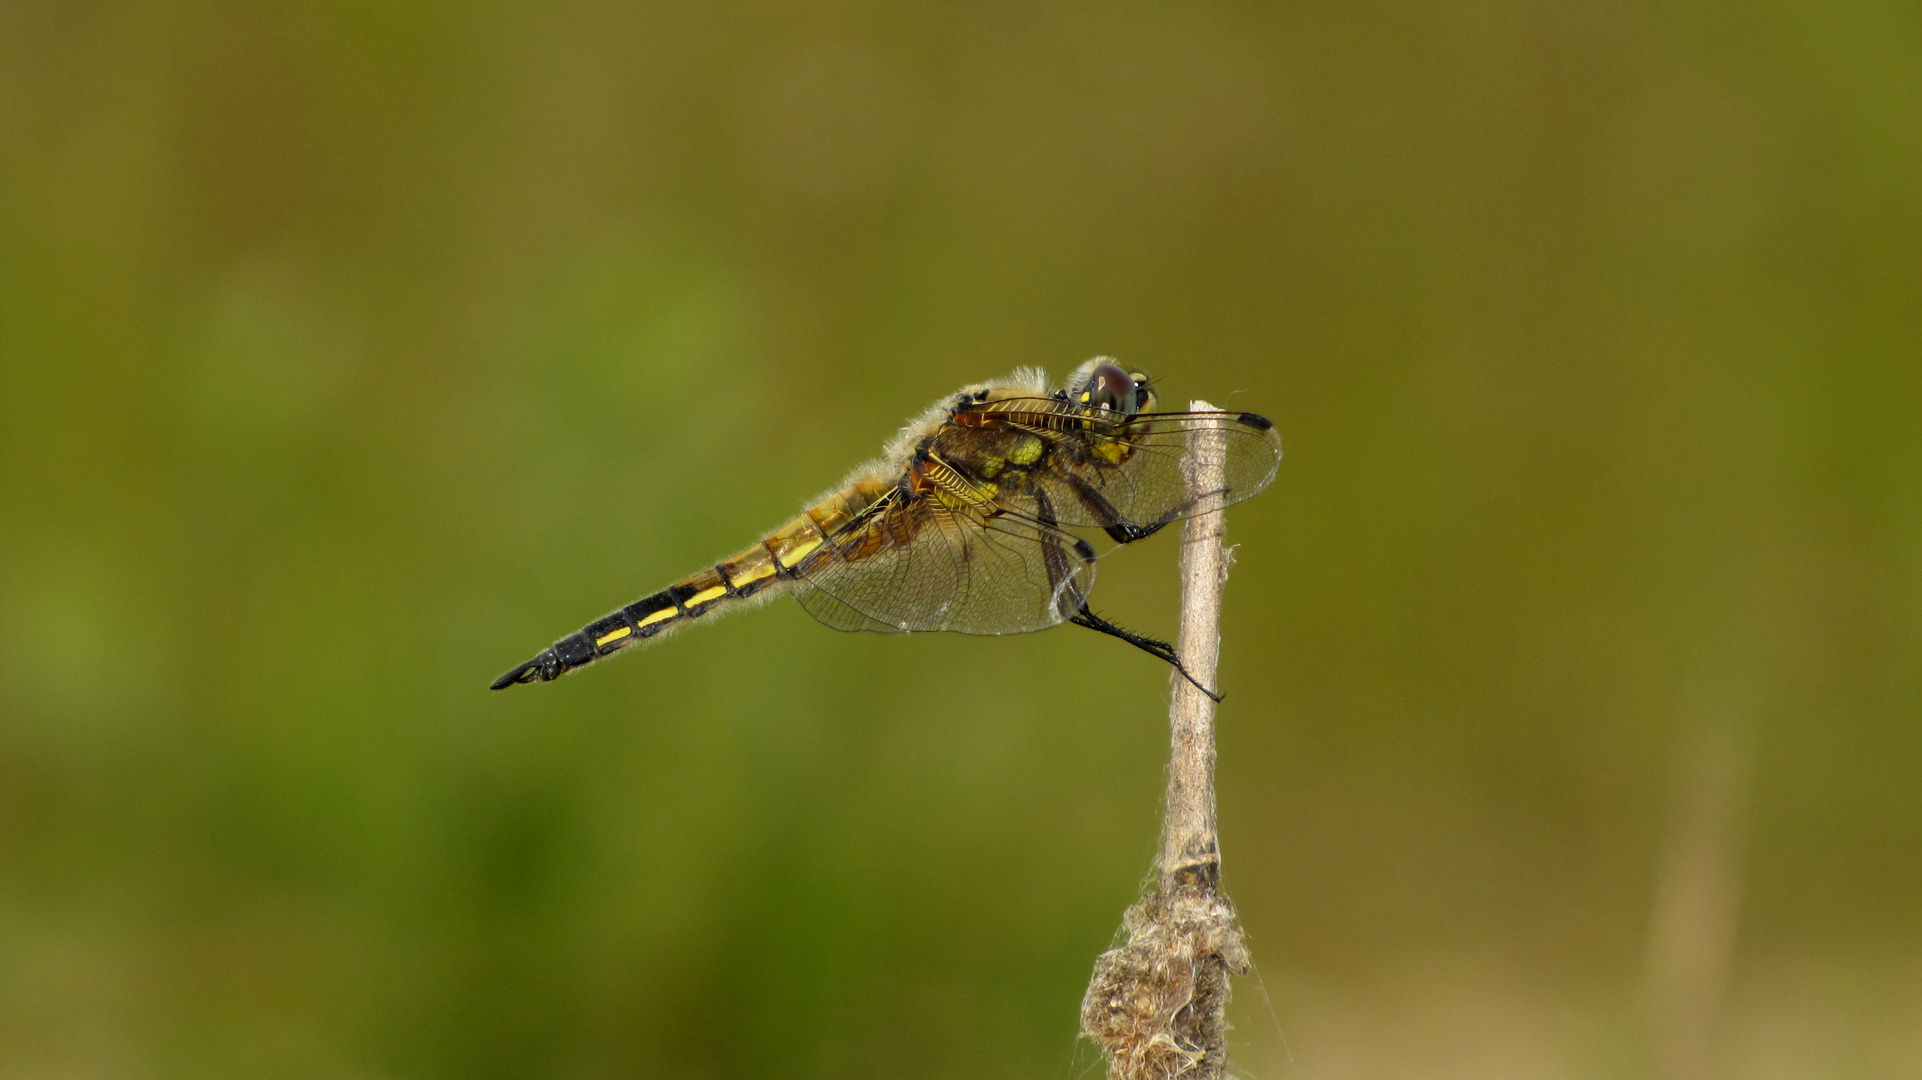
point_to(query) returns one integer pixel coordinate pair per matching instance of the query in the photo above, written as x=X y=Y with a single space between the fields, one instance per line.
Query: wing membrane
x=922 y=565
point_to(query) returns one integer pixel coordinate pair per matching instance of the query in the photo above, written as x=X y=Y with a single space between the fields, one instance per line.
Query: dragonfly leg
x=1118 y=528
x=1127 y=532
x=1159 y=649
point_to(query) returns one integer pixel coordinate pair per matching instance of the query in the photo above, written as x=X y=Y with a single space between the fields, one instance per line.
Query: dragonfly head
x=1103 y=385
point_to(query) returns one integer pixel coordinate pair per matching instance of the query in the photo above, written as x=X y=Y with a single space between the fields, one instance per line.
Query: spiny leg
x=1058 y=572
x=1127 y=532
x=1159 y=649
x=1118 y=528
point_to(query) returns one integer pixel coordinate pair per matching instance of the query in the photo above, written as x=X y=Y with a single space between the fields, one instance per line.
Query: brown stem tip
x=1157 y=1005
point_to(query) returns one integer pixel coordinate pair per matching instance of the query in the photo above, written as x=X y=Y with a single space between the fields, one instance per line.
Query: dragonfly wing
x=1092 y=469
x=836 y=615
x=921 y=565
x=1023 y=575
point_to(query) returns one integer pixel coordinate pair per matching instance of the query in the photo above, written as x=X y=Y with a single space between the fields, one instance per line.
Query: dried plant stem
x=1157 y=1003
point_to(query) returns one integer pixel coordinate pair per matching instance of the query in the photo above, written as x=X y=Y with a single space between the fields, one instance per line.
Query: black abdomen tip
x=543 y=667
x=512 y=677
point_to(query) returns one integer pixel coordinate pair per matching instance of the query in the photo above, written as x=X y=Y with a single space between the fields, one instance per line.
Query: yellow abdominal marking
x=763 y=570
x=1108 y=451
x=615 y=635
x=1026 y=452
x=705 y=595
x=790 y=558
x=660 y=616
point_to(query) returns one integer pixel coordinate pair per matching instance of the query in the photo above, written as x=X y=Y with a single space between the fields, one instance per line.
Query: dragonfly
x=962 y=524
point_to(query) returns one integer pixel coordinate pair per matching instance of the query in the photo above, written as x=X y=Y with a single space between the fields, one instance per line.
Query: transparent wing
x=919 y=565
x=1094 y=469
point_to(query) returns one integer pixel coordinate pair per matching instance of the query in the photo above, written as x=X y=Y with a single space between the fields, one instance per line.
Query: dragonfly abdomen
x=756 y=573
x=647 y=617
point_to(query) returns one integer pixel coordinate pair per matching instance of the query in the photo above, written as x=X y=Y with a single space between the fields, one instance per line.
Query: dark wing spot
x=1256 y=421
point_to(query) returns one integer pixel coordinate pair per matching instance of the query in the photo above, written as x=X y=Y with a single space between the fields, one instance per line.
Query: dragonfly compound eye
x=1144 y=398
x=1109 y=387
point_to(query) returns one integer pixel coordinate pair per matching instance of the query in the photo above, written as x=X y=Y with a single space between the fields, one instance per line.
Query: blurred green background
x=355 y=351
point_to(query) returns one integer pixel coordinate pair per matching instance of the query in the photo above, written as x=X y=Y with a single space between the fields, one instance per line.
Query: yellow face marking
x=705 y=595
x=759 y=571
x=614 y=635
x=662 y=615
x=800 y=551
x=1026 y=452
